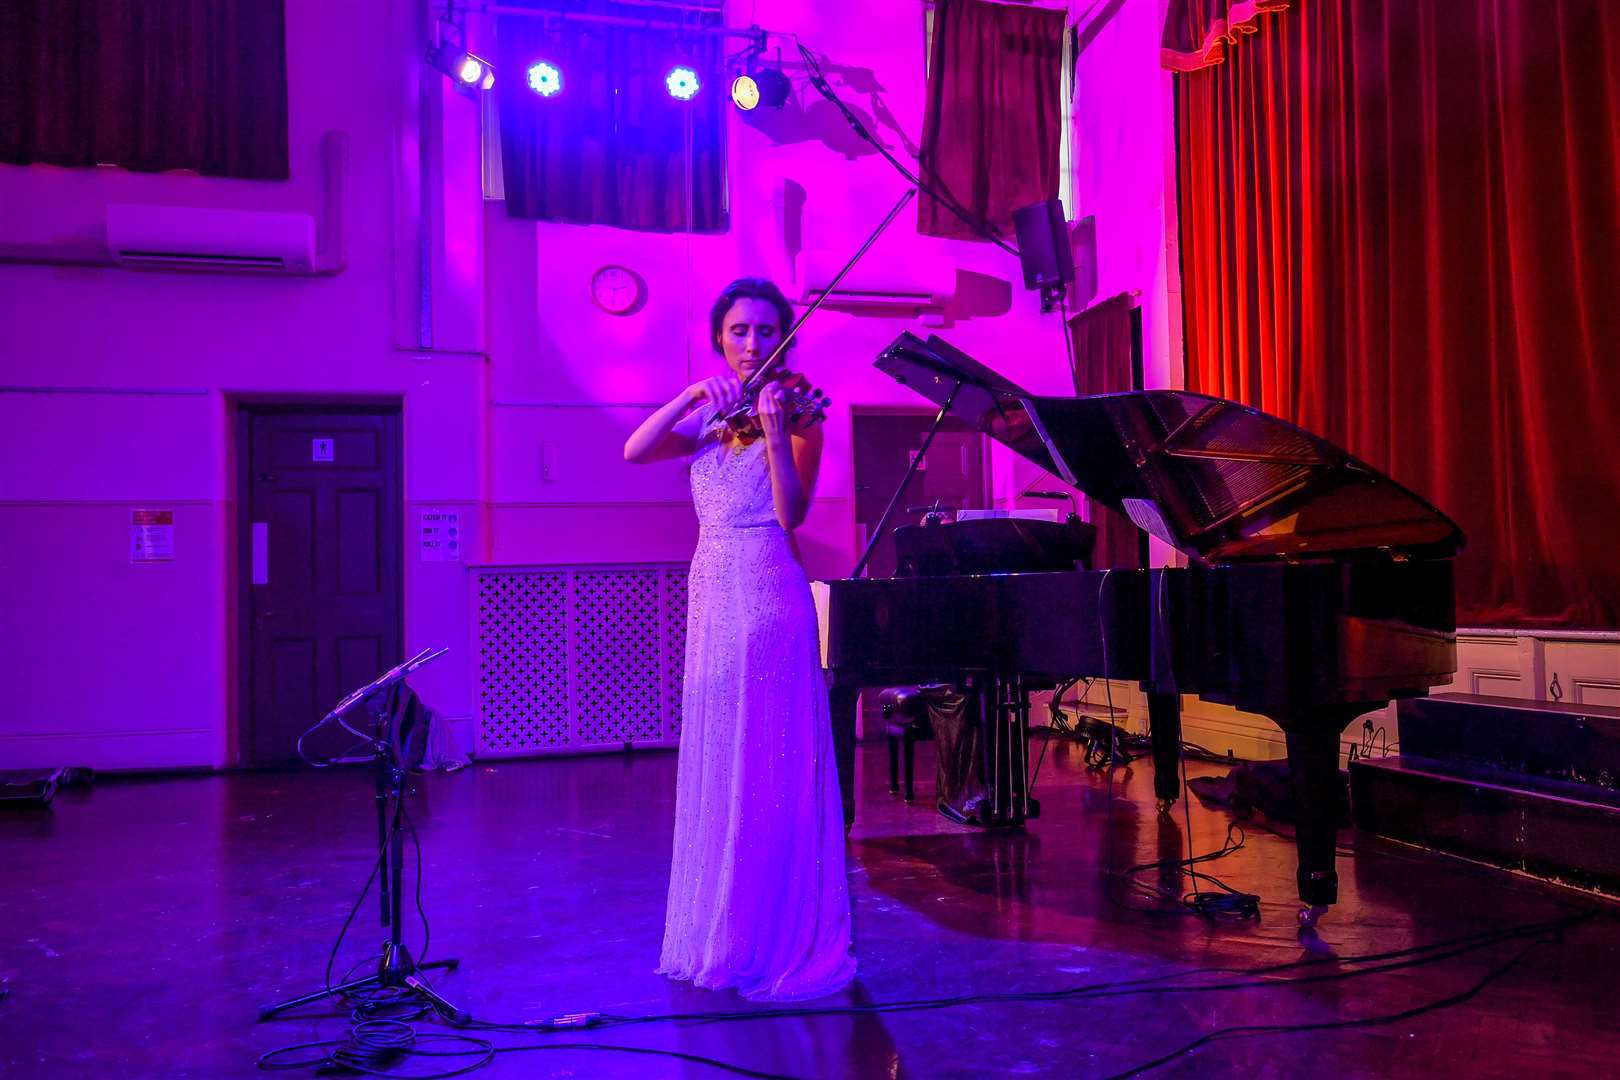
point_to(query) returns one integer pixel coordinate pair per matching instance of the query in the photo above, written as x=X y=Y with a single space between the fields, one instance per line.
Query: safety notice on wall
x=151 y=536
x=441 y=535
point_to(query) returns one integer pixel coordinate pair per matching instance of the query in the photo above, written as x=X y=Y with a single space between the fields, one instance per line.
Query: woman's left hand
x=773 y=419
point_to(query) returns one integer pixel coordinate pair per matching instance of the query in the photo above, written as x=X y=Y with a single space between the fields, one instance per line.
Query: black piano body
x=1317 y=588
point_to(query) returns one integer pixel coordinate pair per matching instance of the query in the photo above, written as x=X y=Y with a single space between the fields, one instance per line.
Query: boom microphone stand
x=397 y=969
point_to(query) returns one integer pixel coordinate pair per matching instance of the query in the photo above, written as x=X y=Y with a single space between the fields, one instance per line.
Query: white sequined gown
x=757 y=894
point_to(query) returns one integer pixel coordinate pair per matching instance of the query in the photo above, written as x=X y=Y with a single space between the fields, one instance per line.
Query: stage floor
x=144 y=922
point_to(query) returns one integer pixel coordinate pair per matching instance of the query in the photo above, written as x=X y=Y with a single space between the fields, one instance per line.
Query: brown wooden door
x=321 y=534
x=953 y=474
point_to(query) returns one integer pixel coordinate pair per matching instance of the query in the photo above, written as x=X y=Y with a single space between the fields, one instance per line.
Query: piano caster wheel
x=1310 y=915
x=1165 y=806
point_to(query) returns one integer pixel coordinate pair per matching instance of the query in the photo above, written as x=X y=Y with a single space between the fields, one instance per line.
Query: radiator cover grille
x=574 y=659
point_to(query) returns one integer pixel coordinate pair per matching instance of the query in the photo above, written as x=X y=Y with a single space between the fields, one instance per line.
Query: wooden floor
x=143 y=923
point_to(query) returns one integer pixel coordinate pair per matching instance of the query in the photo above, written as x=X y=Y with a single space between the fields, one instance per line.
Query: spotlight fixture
x=465 y=70
x=762 y=86
x=682 y=83
x=545 y=78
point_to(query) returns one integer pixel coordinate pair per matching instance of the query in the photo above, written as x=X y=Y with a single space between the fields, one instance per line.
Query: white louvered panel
x=522 y=662
x=616 y=636
x=575 y=659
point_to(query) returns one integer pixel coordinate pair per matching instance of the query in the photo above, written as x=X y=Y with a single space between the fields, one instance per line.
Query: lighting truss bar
x=757 y=35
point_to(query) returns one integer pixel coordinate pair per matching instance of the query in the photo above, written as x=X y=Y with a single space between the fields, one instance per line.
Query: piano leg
x=1028 y=806
x=987 y=695
x=1164 y=724
x=1313 y=764
x=844 y=703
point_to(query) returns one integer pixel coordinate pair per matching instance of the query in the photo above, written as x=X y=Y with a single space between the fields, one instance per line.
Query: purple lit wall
x=120 y=665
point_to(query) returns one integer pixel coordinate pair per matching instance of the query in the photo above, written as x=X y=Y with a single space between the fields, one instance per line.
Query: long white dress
x=757 y=894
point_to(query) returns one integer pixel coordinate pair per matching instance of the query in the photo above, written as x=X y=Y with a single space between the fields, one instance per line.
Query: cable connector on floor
x=567 y=1022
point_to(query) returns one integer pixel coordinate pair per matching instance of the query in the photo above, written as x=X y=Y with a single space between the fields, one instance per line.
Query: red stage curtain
x=1401 y=229
x=1197 y=32
x=991 y=126
x=151 y=85
x=612 y=147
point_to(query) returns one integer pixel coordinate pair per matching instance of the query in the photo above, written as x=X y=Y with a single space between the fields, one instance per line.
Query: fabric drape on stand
x=612 y=147
x=991 y=127
x=1104 y=363
x=151 y=85
x=1198 y=32
x=1401 y=229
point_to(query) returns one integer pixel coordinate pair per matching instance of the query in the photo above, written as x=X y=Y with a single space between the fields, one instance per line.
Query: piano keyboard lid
x=1219 y=481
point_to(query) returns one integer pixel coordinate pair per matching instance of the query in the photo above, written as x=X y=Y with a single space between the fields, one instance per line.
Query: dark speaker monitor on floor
x=1043 y=245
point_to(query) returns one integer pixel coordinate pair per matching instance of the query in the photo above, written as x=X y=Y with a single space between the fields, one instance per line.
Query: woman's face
x=748 y=334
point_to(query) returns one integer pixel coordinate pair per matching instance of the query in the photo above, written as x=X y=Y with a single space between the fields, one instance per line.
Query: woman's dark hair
x=749 y=288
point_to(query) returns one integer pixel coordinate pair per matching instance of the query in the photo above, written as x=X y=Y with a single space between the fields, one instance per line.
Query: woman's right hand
x=721 y=391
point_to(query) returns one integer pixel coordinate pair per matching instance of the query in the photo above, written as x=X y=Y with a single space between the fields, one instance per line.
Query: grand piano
x=1317 y=589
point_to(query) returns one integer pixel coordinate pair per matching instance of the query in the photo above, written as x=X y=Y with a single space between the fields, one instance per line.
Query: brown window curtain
x=1107 y=359
x=613 y=147
x=991 y=129
x=151 y=85
x=1400 y=229
x=1197 y=32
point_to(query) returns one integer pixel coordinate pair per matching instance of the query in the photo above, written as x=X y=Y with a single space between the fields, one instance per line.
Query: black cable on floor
x=1247 y=1030
x=378 y=1045
x=1250 y=978
x=1226 y=901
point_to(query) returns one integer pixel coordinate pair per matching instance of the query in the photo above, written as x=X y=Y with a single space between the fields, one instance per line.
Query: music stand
x=397 y=968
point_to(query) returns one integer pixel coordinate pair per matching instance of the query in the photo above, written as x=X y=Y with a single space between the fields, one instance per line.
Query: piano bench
x=905 y=723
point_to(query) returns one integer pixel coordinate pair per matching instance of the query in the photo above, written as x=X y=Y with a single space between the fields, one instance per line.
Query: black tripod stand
x=397 y=969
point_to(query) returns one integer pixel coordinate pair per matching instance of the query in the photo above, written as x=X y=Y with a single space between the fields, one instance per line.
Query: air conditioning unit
x=228 y=241
x=879 y=288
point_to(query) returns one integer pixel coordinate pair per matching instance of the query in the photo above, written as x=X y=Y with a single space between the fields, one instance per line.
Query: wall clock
x=617 y=290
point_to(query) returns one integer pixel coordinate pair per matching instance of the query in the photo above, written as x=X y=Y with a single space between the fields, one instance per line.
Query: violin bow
x=763 y=372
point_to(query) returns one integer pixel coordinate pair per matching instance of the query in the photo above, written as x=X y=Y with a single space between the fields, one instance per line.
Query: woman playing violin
x=757 y=896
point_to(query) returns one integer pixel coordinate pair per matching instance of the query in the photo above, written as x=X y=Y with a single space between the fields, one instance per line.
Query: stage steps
x=1525 y=785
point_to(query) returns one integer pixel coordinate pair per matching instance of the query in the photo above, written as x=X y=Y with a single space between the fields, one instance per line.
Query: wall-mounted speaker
x=1043 y=245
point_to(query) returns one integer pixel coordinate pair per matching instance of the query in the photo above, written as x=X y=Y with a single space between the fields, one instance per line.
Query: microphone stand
x=397 y=969
x=894 y=501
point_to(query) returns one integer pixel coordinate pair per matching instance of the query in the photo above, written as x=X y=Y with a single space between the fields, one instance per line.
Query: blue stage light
x=545 y=79
x=682 y=83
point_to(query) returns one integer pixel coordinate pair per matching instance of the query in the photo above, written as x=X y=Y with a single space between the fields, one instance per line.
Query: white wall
x=116 y=397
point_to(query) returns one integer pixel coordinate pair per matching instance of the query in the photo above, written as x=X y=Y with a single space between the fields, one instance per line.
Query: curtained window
x=1107 y=358
x=613 y=147
x=151 y=85
x=1400 y=229
x=993 y=126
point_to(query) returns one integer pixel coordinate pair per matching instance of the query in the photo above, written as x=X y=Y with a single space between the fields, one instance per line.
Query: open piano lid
x=1219 y=481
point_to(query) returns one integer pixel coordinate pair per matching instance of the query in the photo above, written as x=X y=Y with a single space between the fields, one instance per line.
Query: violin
x=803 y=404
